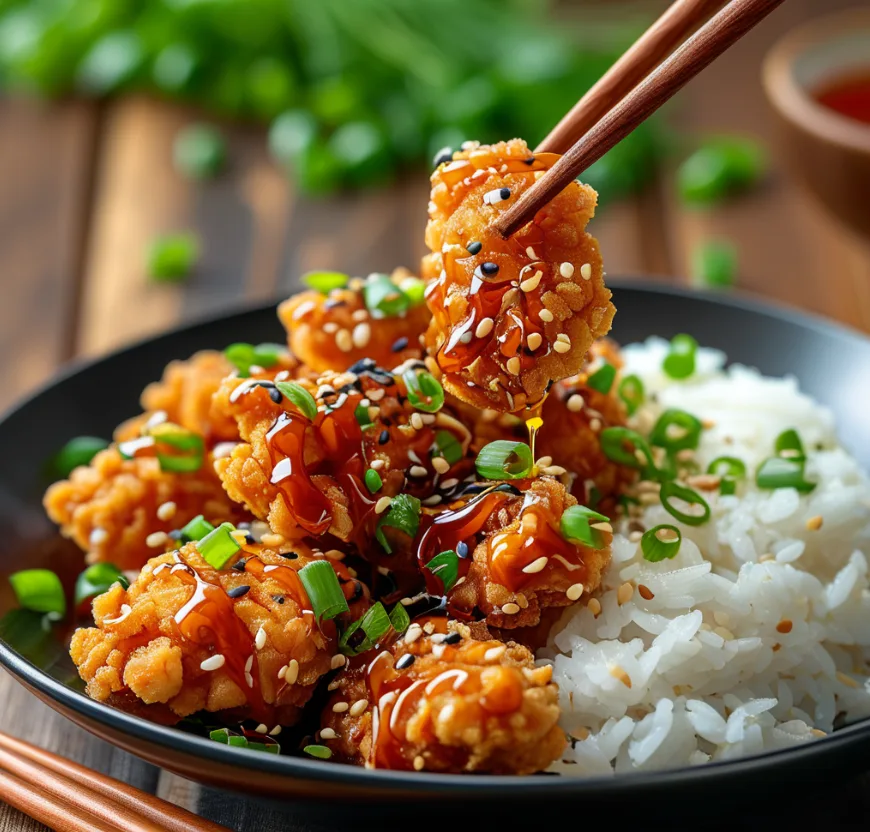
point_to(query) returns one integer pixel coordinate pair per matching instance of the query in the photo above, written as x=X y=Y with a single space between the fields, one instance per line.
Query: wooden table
x=86 y=186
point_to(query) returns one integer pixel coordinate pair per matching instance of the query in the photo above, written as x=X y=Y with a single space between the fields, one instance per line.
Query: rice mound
x=756 y=634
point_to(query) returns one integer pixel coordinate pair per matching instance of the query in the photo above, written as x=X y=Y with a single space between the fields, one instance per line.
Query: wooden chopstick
x=80 y=791
x=680 y=20
x=698 y=52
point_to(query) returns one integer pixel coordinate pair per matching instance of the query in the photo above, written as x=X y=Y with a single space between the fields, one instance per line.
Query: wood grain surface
x=85 y=188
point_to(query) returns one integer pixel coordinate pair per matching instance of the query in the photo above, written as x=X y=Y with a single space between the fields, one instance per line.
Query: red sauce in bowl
x=848 y=95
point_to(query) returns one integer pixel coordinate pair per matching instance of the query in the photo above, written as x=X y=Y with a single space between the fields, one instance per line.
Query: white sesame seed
x=338 y=661
x=376 y=464
x=330 y=326
x=362 y=334
x=249 y=680
x=334 y=554
x=260 y=639
x=275 y=731
x=262 y=729
x=213 y=662
x=340 y=707
x=566 y=269
x=344 y=340
x=554 y=471
x=545 y=315
x=292 y=672
x=531 y=283
x=418 y=471
x=377 y=395
x=574 y=591
x=602 y=527
x=562 y=346
x=166 y=511
x=530 y=252
x=414 y=632
x=98 y=536
x=416 y=421
x=484 y=327
x=335 y=684
x=428 y=628
x=575 y=403
x=419 y=763
x=327 y=734
x=536 y=565
x=448 y=484
x=249 y=663
x=586 y=271
x=359 y=707
x=156 y=539
x=441 y=465
x=510 y=609
x=438 y=650
x=544 y=462
x=271 y=539
x=373 y=413
x=382 y=505
x=534 y=340
x=494 y=653
x=282 y=672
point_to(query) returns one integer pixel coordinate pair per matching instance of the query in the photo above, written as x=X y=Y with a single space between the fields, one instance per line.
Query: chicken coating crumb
x=332 y=331
x=184 y=638
x=112 y=506
x=510 y=315
x=445 y=703
x=513 y=561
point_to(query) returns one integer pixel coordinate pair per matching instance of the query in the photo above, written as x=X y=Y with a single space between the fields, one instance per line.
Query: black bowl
x=831 y=363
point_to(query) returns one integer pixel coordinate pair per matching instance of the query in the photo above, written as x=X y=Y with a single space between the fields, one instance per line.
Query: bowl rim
x=792 y=100
x=399 y=784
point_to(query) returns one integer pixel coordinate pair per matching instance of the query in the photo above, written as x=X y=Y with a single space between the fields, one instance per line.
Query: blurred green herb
x=199 y=151
x=172 y=257
x=721 y=167
x=714 y=264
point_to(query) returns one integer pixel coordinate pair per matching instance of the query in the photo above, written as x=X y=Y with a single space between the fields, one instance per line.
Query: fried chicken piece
x=513 y=560
x=445 y=703
x=186 y=637
x=311 y=477
x=510 y=316
x=110 y=507
x=332 y=331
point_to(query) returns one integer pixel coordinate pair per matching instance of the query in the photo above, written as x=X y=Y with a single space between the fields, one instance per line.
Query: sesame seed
x=428 y=628
x=574 y=591
x=362 y=334
x=405 y=661
x=373 y=412
x=562 y=346
x=536 y=565
x=624 y=593
x=418 y=471
x=441 y=465
x=262 y=729
x=291 y=674
x=544 y=462
x=399 y=344
x=534 y=340
x=282 y=672
x=376 y=464
x=275 y=731
x=272 y=539
x=494 y=653
x=554 y=471
x=416 y=421
x=513 y=366
x=450 y=483
x=594 y=606
x=815 y=523
x=575 y=403
x=344 y=340
x=414 y=632
x=484 y=327
x=383 y=437
x=156 y=539
x=166 y=511
x=545 y=315
x=327 y=734
x=602 y=527
x=645 y=592
x=238 y=591
x=359 y=707
x=260 y=639
x=335 y=684
x=489 y=269
x=213 y=662
x=586 y=271
x=531 y=253
x=98 y=536
x=419 y=763
x=510 y=608
x=338 y=661
x=474 y=248
x=360 y=314
x=531 y=283
x=566 y=269
x=330 y=326
x=784 y=626
x=382 y=505
x=340 y=707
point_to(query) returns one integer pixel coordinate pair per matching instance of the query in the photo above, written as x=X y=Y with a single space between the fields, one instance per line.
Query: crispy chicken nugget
x=445 y=703
x=186 y=637
x=334 y=330
x=513 y=560
x=510 y=316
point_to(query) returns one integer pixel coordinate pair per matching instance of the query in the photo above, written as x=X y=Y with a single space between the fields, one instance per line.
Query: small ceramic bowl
x=827 y=152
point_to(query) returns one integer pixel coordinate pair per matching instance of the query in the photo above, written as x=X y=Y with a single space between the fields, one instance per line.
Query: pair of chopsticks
x=643 y=79
x=68 y=797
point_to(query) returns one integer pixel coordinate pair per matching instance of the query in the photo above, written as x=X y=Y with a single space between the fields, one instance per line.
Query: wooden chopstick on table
x=699 y=51
x=71 y=798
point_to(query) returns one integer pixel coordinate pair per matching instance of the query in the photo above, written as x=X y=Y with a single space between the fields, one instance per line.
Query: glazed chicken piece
x=513 y=561
x=510 y=316
x=186 y=637
x=342 y=471
x=445 y=703
x=334 y=330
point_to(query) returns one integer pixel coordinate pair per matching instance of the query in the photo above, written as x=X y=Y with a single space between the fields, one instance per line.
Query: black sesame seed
x=239 y=565
x=276 y=395
x=442 y=156
x=264 y=383
x=505 y=193
x=489 y=268
x=404 y=662
x=399 y=344
x=474 y=248
x=238 y=591
x=452 y=638
x=462 y=549
x=361 y=366
x=384 y=437
x=278 y=599
x=289 y=555
x=529 y=161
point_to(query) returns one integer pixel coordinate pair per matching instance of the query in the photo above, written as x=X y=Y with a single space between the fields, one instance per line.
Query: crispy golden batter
x=333 y=331
x=109 y=507
x=463 y=706
x=519 y=562
x=150 y=641
x=510 y=316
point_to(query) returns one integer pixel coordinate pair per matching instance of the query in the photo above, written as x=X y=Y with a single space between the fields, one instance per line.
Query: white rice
x=711 y=677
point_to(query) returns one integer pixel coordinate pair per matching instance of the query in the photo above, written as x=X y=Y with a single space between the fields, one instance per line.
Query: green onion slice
x=789 y=446
x=448 y=446
x=424 y=390
x=576 y=525
x=300 y=397
x=676 y=430
x=445 y=567
x=231 y=738
x=218 y=546
x=655 y=548
x=614 y=441
x=399 y=618
x=403 y=514
x=244 y=356
x=196 y=529
x=190 y=444
x=325 y=282
x=39 y=590
x=779 y=472
x=602 y=379
x=362 y=416
x=375 y=624
x=504 y=460
x=373 y=480
x=77 y=452
x=671 y=490
x=680 y=361
x=632 y=393
x=385 y=297
x=97 y=579
x=321 y=752
x=324 y=591
x=729 y=469
x=414 y=289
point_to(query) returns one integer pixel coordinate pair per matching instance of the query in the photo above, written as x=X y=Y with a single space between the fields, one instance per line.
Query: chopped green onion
x=375 y=624
x=96 y=579
x=714 y=264
x=445 y=567
x=39 y=590
x=576 y=525
x=780 y=472
x=721 y=166
x=399 y=618
x=655 y=549
x=362 y=416
x=324 y=591
x=190 y=444
x=196 y=529
x=613 y=444
x=299 y=396
x=218 y=546
x=231 y=738
x=504 y=460
x=671 y=490
x=424 y=390
x=729 y=469
x=602 y=379
x=319 y=751
x=676 y=430
x=172 y=257
x=325 y=282
x=373 y=480
x=383 y=296
x=632 y=393
x=414 y=289
x=789 y=446
x=244 y=356
x=77 y=452
x=199 y=151
x=403 y=514
x=680 y=361
x=448 y=446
